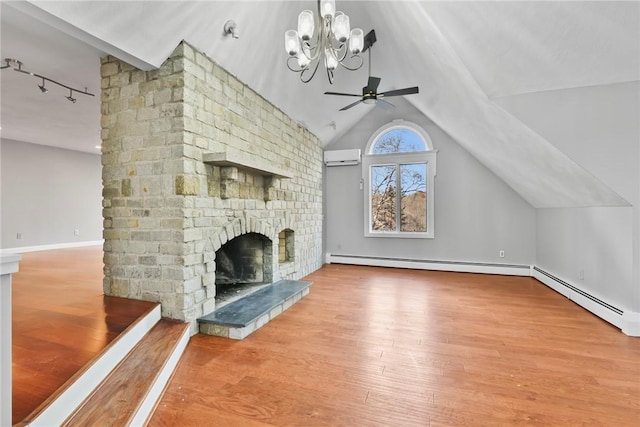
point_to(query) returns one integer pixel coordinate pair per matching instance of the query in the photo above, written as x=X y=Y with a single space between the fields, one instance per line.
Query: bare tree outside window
x=411 y=179
x=413 y=199
x=383 y=198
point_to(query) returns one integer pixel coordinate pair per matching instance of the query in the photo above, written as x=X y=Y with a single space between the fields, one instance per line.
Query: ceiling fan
x=370 y=93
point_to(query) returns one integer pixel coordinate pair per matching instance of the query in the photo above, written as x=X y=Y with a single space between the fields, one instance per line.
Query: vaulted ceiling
x=463 y=55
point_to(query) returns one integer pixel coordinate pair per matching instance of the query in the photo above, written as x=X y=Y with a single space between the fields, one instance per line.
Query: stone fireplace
x=195 y=163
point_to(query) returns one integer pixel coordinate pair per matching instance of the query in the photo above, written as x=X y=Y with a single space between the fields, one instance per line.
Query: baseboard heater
x=426 y=264
x=595 y=305
x=580 y=291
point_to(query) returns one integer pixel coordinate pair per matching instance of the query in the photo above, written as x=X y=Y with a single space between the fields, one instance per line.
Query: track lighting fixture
x=17 y=66
x=42 y=88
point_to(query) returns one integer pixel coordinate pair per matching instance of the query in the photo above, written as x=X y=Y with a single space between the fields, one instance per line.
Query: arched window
x=399 y=167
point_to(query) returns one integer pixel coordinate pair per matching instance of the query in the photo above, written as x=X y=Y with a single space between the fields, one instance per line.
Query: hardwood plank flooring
x=367 y=347
x=127 y=386
x=61 y=321
x=391 y=347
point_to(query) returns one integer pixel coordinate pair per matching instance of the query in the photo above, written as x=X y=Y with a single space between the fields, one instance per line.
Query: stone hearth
x=246 y=315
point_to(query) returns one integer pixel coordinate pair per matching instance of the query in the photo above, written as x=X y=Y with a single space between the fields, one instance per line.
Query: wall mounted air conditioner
x=342 y=157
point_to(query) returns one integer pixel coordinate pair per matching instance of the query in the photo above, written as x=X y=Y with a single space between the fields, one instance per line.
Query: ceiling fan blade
x=350 y=105
x=341 y=94
x=385 y=105
x=405 y=91
x=373 y=83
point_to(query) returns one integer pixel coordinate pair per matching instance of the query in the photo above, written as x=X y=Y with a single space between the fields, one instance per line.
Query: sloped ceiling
x=461 y=54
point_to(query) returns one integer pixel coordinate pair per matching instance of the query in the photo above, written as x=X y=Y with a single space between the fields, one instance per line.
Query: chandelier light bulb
x=330 y=60
x=292 y=42
x=328 y=8
x=305 y=25
x=356 y=41
x=341 y=27
x=304 y=58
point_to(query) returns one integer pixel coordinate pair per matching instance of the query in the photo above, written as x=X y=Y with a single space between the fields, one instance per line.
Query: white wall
x=598 y=127
x=47 y=193
x=476 y=213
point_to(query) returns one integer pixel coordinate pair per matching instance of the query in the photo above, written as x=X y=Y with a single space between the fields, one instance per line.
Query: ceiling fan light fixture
x=370 y=94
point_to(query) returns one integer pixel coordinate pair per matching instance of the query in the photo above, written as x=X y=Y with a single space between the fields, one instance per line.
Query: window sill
x=397 y=235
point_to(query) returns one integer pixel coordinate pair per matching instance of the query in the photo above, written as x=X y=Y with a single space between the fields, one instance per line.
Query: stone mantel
x=8 y=266
x=239 y=161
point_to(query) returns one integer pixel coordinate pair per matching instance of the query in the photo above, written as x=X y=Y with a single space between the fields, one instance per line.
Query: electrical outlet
x=18 y=236
x=581 y=274
x=501 y=254
x=76 y=232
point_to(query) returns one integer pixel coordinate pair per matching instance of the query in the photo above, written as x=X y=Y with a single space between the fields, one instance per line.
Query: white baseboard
x=456 y=266
x=24 y=249
x=631 y=323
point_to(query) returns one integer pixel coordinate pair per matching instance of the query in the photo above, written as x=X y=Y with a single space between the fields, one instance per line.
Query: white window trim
x=428 y=157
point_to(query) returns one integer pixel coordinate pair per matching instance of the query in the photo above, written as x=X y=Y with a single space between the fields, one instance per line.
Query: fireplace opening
x=241 y=264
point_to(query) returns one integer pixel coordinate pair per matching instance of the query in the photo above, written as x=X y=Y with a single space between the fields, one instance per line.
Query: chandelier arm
x=314 y=50
x=295 y=70
x=312 y=74
x=357 y=67
x=330 y=76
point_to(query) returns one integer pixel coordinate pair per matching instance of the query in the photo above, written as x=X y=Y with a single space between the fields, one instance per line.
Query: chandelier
x=331 y=41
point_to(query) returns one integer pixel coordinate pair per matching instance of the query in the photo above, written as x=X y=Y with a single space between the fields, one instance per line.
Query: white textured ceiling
x=461 y=54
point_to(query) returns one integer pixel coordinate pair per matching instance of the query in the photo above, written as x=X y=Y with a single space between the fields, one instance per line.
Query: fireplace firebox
x=243 y=262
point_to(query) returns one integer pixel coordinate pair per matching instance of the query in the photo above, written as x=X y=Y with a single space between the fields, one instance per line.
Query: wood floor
x=61 y=321
x=367 y=347
x=390 y=347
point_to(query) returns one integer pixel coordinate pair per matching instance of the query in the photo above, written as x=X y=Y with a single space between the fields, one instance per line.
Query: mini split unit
x=342 y=157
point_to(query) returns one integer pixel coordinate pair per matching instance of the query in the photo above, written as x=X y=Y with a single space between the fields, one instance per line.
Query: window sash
x=396 y=160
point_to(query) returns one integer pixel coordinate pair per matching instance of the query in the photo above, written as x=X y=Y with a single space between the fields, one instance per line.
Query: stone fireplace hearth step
x=242 y=317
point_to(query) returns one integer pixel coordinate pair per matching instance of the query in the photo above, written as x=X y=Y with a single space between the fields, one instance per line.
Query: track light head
x=42 y=88
x=70 y=97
